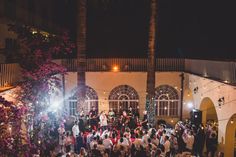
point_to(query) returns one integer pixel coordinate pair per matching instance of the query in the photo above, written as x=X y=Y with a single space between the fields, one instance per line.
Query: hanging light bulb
x=231 y=121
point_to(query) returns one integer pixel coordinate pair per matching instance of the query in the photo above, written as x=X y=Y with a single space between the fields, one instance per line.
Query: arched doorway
x=209 y=114
x=122 y=97
x=230 y=138
x=91 y=99
x=166 y=101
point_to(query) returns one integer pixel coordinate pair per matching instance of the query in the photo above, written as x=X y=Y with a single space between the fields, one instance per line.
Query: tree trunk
x=81 y=51
x=151 y=65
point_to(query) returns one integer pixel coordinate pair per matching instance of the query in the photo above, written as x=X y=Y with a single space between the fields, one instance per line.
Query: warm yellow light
x=34 y=32
x=115 y=68
x=226 y=81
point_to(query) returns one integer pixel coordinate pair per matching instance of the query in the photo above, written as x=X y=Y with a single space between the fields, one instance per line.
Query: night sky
x=186 y=28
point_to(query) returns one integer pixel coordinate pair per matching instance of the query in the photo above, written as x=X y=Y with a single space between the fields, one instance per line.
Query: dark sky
x=186 y=28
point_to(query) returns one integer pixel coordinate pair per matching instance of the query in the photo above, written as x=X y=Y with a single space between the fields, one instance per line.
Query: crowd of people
x=105 y=135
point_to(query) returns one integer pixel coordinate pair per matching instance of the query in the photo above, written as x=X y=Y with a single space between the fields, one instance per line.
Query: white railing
x=217 y=70
x=125 y=64
x=9 y=74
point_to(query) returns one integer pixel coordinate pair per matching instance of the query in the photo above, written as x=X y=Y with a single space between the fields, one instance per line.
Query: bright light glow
x=226 y=81
x=165 y=108
x=55 y=105
x=190 y=105
x=34 y=32
x=232 y=121
x=115 y=68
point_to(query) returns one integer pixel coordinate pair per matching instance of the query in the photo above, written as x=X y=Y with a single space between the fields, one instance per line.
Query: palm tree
x=81 y=51
x=151 y=65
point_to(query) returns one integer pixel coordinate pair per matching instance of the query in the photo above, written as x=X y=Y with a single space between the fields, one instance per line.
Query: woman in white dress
x=103 y=120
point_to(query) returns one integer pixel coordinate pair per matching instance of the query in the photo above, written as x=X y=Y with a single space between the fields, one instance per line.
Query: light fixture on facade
x=226 y=81
x=115 y=68
x=221 y=101
x=231 y=121
x=195 y=90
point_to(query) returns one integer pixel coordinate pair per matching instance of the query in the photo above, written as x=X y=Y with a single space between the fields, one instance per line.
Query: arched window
x=123 y=97
x=166 y=101
x=91 y=99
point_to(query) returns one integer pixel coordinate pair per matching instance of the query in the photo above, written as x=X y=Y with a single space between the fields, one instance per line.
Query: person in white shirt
x=145 y=139
x=94 y=142
x=107 y=143
x=75 y=129
x=106 y=132
x=162 y=138
x=189 y=140
x=167 y=146
x=123 y=141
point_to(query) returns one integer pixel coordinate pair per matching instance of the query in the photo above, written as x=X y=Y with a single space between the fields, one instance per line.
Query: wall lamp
x=195 y=90
x=221 y=101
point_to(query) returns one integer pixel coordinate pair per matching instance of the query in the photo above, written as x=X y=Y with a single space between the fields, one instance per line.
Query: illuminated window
x=91 y=99
x=123 y=97
x=73 y=107
x=166 y=101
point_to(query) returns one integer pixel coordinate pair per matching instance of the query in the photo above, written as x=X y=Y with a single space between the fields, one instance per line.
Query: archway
x=91 y=100
x=122 y=97
x=166 y=101
x=230 y=138
x=208 y=111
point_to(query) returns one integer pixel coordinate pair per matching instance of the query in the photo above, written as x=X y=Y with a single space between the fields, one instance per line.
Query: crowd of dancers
x=125 y=135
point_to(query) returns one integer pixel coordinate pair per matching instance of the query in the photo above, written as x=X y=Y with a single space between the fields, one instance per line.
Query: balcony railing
x=217 y=70
x=9 y=74
x=125 y=64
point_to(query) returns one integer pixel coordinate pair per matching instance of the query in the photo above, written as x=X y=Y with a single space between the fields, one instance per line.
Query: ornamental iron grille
x=122 y=97
x=166 y=101
x=91 y=99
